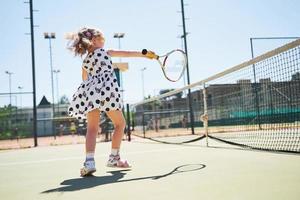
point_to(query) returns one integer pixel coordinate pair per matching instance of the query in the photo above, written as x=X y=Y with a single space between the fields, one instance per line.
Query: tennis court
x=245 y=146
x=219 y=172
x=233 y=133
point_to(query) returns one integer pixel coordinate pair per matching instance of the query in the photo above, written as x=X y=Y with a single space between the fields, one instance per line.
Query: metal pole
x=52 y=82
x=9 y=77
x=184 y=77
x=128 y=123
x=57 y=92
x=16 y=114
x=9 y=82
x=49 y=37
x=119 y=40
x=20 y=88
x=187 y=68
x=10 y=106
x=143 y=116
x=120 y=74
x=143 y=83
x=33 y=76
x=117 y=71
x=57 y=88
x=143 y=123
x=255 y=88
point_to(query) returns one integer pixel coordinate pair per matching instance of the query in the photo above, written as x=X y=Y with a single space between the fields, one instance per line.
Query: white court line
x=80 y=157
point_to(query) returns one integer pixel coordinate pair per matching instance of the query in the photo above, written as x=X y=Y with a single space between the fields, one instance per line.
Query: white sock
x=90 y=155
x=115 y=152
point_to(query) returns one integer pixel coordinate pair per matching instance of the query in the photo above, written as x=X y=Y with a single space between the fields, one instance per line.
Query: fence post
x=143 y=121
x=128 y=123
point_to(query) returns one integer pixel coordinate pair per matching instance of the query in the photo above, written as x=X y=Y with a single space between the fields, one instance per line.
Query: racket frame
x=162 y=62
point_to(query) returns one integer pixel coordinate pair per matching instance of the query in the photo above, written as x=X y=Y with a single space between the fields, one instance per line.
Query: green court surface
x=160 y=171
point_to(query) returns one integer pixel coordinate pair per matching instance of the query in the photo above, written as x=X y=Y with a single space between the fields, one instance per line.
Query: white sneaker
x=88 y=167
x=115 y=161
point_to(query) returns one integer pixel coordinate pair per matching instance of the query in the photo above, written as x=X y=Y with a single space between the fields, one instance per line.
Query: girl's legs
x=90 y=142
x=92 y=130
x=118 y=120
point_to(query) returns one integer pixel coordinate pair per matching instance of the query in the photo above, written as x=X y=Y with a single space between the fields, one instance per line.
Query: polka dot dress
x=100 y=90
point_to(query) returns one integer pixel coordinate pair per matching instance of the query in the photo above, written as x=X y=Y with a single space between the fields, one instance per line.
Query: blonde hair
x=80 y=42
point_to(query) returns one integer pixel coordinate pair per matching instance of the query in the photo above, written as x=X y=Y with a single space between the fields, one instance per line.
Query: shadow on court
x=93 y=181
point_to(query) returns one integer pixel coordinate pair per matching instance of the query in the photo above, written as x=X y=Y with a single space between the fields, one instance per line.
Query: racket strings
x=174 y=65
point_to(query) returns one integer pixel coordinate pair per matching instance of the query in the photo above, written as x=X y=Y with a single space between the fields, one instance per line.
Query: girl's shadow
x=88 y=182
x=93 y=181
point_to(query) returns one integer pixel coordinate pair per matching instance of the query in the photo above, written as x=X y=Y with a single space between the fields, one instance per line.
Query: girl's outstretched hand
x=149 y=54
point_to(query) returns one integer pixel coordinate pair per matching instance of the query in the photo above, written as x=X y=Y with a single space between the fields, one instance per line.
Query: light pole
x=187 y=67
x=9 y=75
x=57 y=93
x=51 y=36
x=20 y=88
x=182 y=47
x=34 y=114
x=117 y=71
x=143 y=90
x=185 y=72
x=21 y=112
x=119 y=36
x=143 y=83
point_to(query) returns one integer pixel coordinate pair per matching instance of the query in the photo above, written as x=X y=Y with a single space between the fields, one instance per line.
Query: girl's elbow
x=111 y=53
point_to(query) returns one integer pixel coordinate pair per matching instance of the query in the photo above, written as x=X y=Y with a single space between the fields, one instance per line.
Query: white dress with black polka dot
x=100 y=90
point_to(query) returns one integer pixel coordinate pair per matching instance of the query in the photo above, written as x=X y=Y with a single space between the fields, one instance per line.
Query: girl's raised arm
x=115 y=53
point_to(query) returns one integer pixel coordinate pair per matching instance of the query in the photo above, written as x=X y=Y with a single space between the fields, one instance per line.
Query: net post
x=204 y=117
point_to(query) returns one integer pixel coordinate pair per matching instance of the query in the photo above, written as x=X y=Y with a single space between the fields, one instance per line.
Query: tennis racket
x=172 y=64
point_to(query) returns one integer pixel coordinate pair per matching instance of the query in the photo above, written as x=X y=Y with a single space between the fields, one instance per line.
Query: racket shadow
x=76 y=184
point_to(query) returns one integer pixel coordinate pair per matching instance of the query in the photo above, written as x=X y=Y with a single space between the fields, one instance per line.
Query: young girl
x=99 y=92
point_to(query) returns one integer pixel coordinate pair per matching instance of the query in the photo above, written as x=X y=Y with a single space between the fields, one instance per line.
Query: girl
x=99 y=92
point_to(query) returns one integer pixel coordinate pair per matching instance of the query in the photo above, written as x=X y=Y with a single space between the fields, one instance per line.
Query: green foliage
x=64 y=100
x=4 y=111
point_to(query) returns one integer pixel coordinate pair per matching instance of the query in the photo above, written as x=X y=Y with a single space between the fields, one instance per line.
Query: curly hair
x=80 y=42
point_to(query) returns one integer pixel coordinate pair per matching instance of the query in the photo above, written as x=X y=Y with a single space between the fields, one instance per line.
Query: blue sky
x=218 y=39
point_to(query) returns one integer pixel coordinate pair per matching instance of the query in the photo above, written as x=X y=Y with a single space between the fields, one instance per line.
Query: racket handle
x=150 y=55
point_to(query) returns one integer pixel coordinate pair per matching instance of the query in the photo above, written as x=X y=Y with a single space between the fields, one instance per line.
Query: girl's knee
x=120 y=125
x=92 y=128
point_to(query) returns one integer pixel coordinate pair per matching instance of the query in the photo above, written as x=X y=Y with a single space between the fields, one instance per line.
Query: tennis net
x=255 y=104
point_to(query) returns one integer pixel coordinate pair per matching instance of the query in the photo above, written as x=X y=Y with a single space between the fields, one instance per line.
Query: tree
x=64 y=100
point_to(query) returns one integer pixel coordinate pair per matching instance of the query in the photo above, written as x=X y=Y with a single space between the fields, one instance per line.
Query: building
x=22 y=119
x=243 y=102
